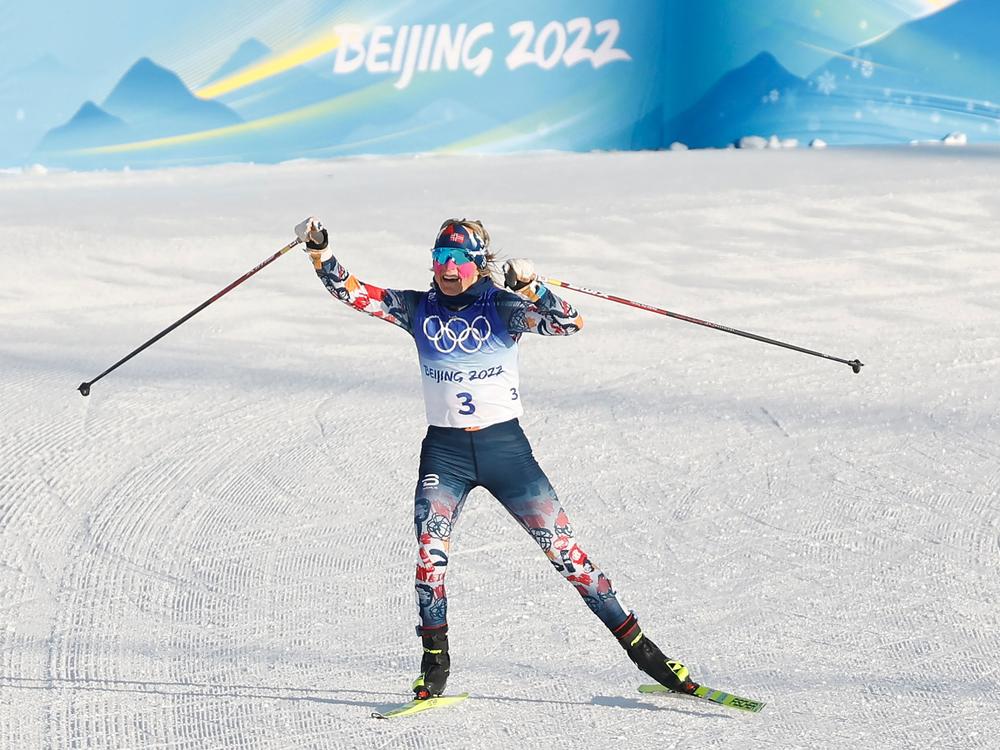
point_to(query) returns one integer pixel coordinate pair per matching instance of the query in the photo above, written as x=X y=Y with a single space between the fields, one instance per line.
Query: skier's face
x=454 y=278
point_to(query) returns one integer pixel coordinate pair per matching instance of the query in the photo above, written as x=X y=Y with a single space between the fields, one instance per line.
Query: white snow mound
x=752 y=142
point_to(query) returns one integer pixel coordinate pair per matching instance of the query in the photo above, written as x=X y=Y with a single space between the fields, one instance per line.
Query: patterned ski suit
x=467 y=346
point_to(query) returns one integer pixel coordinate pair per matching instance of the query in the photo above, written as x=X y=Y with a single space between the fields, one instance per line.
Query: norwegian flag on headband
x=455 y=235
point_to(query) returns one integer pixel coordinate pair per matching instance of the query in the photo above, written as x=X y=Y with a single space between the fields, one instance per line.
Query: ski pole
x=85 y=386
x=854 y=364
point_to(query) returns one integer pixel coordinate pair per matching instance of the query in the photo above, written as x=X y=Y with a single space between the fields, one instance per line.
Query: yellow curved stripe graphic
x=271 y=66
x=367 y=141
x=354 y=100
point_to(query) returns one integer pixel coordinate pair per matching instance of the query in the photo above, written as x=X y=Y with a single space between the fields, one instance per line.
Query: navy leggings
x=453 y=461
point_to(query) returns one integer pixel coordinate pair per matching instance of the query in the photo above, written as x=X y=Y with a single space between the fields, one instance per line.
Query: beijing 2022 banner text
x=113 y=83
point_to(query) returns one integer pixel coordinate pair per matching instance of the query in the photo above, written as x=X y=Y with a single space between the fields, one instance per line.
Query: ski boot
x=645 y=655
x=434 y=665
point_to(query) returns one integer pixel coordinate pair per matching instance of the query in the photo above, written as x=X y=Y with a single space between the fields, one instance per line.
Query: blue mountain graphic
x=248 y=53
x=43 y=93
x=953 y=53
x=288 y=90
x=727 y=110
x=923 y=80
x=154 y=102
x=44 y=65
x=90 y=126
x=147 y=102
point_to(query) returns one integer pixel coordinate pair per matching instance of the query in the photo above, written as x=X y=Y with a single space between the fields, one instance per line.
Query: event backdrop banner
x=114 y=83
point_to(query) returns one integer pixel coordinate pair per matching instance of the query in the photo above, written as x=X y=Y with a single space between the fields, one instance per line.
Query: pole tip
x=84 y=389
x=856 y=365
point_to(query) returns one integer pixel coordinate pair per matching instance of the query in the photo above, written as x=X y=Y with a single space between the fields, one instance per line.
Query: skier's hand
x=519 y=275
x=312 y=232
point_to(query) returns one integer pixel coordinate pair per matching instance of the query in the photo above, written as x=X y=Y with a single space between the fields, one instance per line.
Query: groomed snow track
x=213 y=550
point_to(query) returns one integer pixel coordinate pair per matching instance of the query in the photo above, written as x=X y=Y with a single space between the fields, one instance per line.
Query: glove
x=519 y=274
x=312 y=232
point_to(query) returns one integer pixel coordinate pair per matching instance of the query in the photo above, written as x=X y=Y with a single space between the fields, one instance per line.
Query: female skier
x=466 y=330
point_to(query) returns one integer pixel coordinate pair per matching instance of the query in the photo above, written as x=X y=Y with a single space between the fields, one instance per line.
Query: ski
x=416 y=706
x=711 y=694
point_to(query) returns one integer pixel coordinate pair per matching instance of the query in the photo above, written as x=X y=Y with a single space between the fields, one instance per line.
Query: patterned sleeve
x=391 y=305
x=539 y=311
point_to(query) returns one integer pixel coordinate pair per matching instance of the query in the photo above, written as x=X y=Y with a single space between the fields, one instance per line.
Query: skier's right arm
x=390 y=305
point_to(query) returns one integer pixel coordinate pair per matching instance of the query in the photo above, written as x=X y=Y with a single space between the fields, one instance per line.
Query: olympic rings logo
x=457 y=333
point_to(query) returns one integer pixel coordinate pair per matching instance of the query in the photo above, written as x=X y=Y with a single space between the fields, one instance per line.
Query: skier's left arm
x=391 y=305
x=535 y=308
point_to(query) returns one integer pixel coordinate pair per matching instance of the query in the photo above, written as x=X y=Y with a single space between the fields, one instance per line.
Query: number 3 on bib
x=467 y=406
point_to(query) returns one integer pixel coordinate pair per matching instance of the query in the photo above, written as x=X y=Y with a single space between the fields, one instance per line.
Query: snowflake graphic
x=867 y=68
x=827 y=82
x=543 y=537
x=438 y=610
x=439 y=526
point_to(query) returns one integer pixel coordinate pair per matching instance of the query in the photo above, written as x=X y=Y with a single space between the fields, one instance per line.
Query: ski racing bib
x=468 y=363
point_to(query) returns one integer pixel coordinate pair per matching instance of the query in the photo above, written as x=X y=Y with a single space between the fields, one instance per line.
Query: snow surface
x=214 y=549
